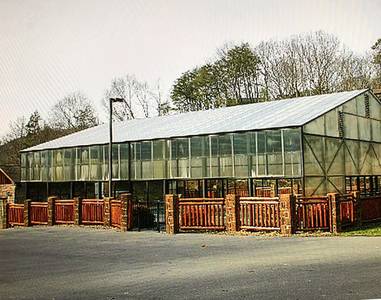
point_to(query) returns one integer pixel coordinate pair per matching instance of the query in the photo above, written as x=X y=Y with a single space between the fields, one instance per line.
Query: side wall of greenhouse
x=268 y=153
x=343 y=144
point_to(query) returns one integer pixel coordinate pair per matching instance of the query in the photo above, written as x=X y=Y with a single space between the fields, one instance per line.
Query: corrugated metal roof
x=265 y=115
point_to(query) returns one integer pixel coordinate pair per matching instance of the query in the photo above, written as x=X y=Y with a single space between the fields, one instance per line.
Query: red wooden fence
x=202 y=213
x=313 y=213
x=259 y=213
x=39 y=213
x=347 y=210
x=15 y=214
x=64 y=212
x=371 y=208
x=92 y=211
x=116 y=213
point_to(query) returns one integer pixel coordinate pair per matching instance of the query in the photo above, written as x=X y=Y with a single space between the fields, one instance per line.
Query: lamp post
x=112 y=100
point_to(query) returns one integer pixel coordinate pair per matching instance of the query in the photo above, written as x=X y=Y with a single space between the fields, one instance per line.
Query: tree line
x=305 y=64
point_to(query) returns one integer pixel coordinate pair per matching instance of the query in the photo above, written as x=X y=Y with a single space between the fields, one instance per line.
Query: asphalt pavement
x=64 y=262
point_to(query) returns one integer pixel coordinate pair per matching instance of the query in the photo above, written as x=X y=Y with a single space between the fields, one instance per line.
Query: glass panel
x=58 y=165
x=199 y=146
x=69 y=163
x=124 y=161
x=334 y=159
x=314 y=186
x=83 y=163
x=146 y=151
x=332 y=123
x=292 y=155
x=313 y=154
x=374 y=108
x=96 y=160
x=36 y=166
x=350 y=107
x=364 y=128
x=365 y=159
x=360 y=102
x=316 y=126
x=350 y=127
x=376 y=130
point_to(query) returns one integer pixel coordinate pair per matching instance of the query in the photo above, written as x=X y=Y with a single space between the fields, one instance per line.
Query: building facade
x=308 y=145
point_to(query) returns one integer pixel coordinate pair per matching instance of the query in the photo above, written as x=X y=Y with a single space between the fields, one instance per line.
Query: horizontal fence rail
x=313 y=213
x=39 y=213
x=257 y=213
x=15 y=214
x=92 y=211
x=202 y=213
x=371 y=208
x=64 y=212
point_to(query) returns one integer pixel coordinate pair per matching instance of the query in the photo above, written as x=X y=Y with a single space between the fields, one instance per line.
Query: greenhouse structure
x=307 y=145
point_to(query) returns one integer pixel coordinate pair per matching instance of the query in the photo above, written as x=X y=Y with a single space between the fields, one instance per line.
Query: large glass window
x=199 y=146
x=225 y=155
x=69 y=164
x=96 y=160
x=58 y=165
x=241 y=145
x=124 y=157
x=159 y=163
x=292 y=152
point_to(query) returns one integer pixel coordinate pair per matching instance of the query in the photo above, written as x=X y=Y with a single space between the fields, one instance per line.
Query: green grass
x=365 y=230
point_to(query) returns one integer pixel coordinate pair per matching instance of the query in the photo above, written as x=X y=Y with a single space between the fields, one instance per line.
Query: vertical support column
x=107 y=211
x=77 y=211
x=333 y=198
x=231 y=207
x=172 y=214
x=51 y=210
x=3 y=213
x=287 y=214
x=126 y=213
x=357 y=208
x=27 y=213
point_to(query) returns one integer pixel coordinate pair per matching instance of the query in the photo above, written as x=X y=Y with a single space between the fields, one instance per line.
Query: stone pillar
x=126 y=214
x=3 y=213
x=171 y=214
x=287 y=214
x=107 y=211
x=77 y=211
x=51 y=210
x=333 y=198
x=232 y=213
x=27 y=212
x=357 y=208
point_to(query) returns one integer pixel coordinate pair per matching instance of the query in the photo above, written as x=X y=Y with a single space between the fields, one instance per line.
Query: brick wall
x=8 y=190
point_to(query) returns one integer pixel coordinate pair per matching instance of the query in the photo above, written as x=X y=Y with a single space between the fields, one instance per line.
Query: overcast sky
x=49 y=48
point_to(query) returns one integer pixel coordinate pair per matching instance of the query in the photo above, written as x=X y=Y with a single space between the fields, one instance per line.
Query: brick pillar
x=171 y=214
x=107 y=211
x=357 y=207
x=77 y=211
x=3 y=213
x=333 y=198
x=232 y=213
x=287 y=214
x=126 y=200
x=27 y=212
x=51 y=210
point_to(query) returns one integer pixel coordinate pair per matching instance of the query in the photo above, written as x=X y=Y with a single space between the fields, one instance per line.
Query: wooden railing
x=15 y=214
x=116 y=213
x=92 y=211
x=313 y=213
x=64 y=212
x=371 y=208
x=202 y=214
x=39 y=213
x=257 y=213
x=347 y=210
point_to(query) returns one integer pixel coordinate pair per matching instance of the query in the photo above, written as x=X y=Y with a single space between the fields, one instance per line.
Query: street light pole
x=112 y=100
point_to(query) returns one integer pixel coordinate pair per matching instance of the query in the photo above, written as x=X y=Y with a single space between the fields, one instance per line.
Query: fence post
x=3 y=213
x=287 y=205
x=172 y=214
x=357 y=207
x=335 y=212
x=51 y=210
x=27 y=213
x=107 y=211
x=126 y=200
x=232 y=223
x=77 y=211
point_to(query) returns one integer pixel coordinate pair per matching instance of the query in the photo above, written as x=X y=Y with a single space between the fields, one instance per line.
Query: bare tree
x=74 y=111
x=139 y=99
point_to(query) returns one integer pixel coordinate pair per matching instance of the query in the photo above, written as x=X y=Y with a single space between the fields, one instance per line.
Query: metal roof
x=265 y=115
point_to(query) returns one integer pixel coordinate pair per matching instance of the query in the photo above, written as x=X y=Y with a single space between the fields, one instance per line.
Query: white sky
x=49 y=48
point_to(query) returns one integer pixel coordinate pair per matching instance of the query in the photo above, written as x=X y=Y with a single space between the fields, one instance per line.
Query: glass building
x=308 y=145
